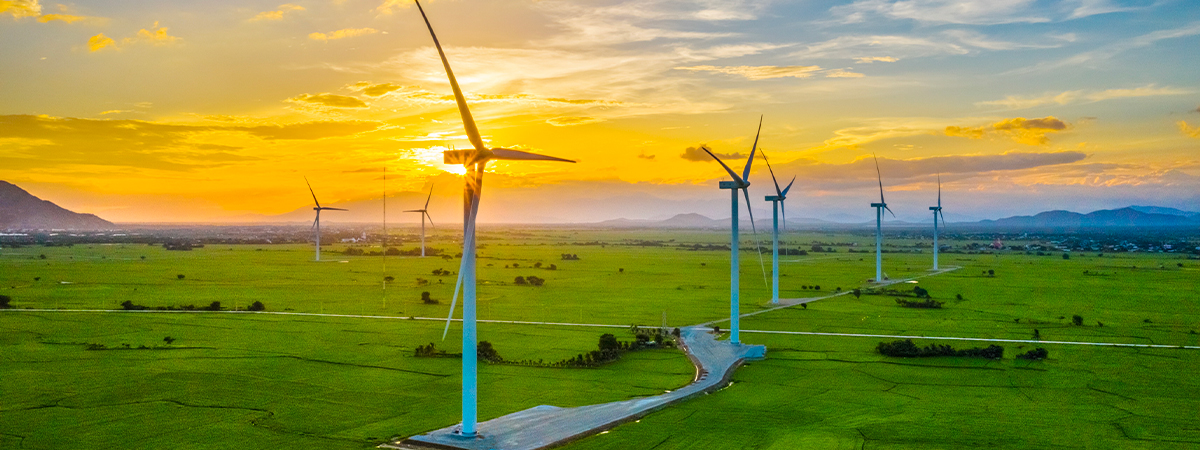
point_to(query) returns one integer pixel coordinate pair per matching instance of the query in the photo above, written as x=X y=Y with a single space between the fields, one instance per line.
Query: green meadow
x=263 y=381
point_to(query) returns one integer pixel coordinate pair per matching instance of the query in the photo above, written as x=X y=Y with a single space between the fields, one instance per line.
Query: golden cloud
x=1189 y=131
x=871 y=59
x=20 y=8
x=376 y=90
x=1067 y=97
x=569 y=121
x=157 y=37
x=330 y=100
x=389 y=6
x=277 y=14
x=63 y=17
x=967 y=132
x=758 y=72
x=342 y=34
x=100 y=41
x=843 y=73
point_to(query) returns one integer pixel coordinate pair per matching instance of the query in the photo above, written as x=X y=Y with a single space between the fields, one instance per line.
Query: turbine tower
x=937 y=211
x=776 y=207
x=474 y=160
x=424 y=213
x=317 y=223
x=741 y=183
x=879 y=208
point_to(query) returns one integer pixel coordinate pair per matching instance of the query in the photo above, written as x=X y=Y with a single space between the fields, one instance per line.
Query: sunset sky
x=179 y=111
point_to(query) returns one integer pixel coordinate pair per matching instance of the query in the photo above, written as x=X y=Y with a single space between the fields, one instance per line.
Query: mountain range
x=20 y=210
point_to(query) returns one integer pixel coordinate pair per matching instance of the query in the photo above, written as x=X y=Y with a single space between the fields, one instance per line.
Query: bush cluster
x=907 y=349
x=128 y=305
x=529 y=281
x=927 y=303
x=4 y=301
x=1036 y=354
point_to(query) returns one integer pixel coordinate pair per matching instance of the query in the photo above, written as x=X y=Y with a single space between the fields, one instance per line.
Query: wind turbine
x=879 y=208
x=741 y=183
x=424 y=213
x=776 y=207
x=318 y=209
x=937 y=211
x=474 y=160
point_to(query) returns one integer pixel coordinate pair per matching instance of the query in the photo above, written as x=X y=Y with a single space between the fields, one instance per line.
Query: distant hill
x=1162 y=210
x=1124 y=217
x=20 y=210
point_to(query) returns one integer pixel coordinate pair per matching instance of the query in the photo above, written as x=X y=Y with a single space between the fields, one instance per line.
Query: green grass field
x=262 y=381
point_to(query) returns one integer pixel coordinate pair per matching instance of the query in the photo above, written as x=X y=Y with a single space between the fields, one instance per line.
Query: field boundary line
x=948 y=338
x=280 y=313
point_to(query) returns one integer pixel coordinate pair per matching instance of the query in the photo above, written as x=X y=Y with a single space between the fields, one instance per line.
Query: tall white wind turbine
x=474 y=160
x=317 y=223
x=424 y=213
x=937 y=212
x=879 y=208
x=776 y=207
x=741 y=183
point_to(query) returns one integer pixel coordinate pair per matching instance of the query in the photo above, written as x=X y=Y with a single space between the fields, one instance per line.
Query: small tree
x=535 y=281
x=621 y=270
x=426 y=299
x=486 y=352
x=516 y=265
x=214 y=306
x=552 y=267
x=256 y=306
x=168 y=340
x=537 y=265
x=520 y=281
x=1037 y=335
x=609 y=342
x=958 y=296
x=991 y=273
x=1077 y=319
x=389 y=278
x=1066 y=256
x=179 y=277
x=857 y=293
x=4 y=301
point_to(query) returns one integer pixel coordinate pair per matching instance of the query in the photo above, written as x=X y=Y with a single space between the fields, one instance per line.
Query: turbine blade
x=430 y=218
x=939 y=191
x=773 y=180
x=428 y=198
x=453 y=301
x=727 y=169
x=879 y=176
x=310 y=191
x=889 y=210
x=746 y=171
x=783 y=210
x=335 y=209
x=518 y=155
x=469 y=231
x=757 y=243
x=413 y=210
x=468 y=121
x=789 y=187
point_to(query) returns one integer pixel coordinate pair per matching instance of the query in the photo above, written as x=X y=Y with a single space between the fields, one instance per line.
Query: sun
x=432 y=157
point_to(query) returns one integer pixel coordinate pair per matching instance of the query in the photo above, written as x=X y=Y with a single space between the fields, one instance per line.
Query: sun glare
x=432 y=157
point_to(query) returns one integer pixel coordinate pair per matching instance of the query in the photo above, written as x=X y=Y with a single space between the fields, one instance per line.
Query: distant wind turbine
x=741 y=183
x=424 y=213
x=776 y=207
x=317 y=223
x=474 y=160
x=937 y=211
x=879 y=208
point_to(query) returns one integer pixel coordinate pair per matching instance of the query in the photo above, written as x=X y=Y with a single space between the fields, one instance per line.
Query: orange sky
x=180 y=111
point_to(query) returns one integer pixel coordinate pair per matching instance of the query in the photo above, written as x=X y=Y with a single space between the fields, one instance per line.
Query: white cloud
x=1068 y=97
x=968 y=12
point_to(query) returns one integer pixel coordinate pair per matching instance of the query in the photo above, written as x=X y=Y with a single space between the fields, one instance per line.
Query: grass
x=262 y=381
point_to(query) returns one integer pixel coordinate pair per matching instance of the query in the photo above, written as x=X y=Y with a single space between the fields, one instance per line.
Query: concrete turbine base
x=547 y=426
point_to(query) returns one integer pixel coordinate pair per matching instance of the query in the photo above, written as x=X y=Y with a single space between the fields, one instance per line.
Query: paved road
x=545 y=426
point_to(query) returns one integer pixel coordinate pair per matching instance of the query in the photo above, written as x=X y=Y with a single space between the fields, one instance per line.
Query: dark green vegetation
x=907 y=349
x=240 y=380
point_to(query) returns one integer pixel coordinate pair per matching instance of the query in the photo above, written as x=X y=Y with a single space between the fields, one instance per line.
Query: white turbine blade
x=310 y=191
x=757 y=243
x=335 y=209
x=773 y=180
x=518 y=155
x=315 y=222
x=468 y=121
x=430 y=197
x=470 y=232
x=727 y=169
x=939 y=191
x=746 y=171
x=879 y=176
x=429 y=217
x=789 y=187
x=783 y=210
x=453 y=301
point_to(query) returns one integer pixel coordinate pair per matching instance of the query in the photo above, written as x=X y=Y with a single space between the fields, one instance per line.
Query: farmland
x=265 y=381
